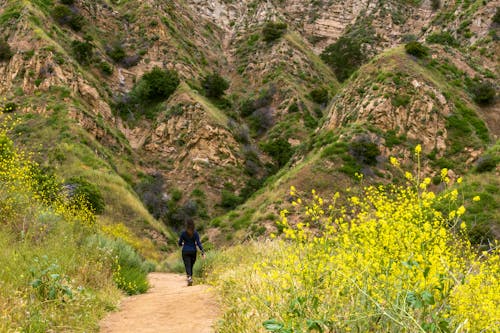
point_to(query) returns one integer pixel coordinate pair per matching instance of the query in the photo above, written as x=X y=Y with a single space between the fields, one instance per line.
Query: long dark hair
x=190 y=227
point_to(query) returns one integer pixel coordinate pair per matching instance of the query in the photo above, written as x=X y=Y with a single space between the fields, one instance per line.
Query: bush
x=9 y=107
x=5 y=51
x=364 y=151
x=68 y=2
x=435 y=4
x=82 y=51
x=280 y=149
x=116 y=52
x=319 y=95
x=443 y=38
x=416 y=49
x=214 y=85
x=65 y=16
x=486 y=163
x=229 y=200
x=496 y=17
x=344 y=57
x=273 y=30
x=156 y=85
x=483 y=93
x=79 y=189
x=261 y=120
x=106 y=68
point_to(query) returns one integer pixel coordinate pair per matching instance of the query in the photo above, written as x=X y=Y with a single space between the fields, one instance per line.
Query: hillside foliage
x=58 y=268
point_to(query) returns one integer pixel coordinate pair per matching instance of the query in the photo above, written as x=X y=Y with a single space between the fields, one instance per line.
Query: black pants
x=189 y=259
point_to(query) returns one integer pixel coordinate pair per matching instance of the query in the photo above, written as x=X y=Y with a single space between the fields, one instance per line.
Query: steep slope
x=388 y=107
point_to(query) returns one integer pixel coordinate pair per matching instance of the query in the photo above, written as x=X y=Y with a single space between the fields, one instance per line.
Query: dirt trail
x=168 y=307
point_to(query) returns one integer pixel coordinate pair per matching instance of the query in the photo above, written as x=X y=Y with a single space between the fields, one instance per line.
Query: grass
x=59 y=272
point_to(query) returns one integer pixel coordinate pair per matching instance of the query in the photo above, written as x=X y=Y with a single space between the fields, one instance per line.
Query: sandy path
x=168 y=307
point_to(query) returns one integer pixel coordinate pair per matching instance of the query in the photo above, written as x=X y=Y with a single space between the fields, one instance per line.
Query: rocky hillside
x=75 y=75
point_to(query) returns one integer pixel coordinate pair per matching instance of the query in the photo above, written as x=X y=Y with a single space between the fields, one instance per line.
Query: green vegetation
x=82 y=51
x=273 y=31
x=5 y=50
x=484 y=93
x=385 y=258
x=65 y=16
x=319 y=96
x=280 y=150
x=443 y=38
x=82 y=191
x=214 y=85
x=156 y=85
x=54 y=273
x=344 y=56
x=416 y=49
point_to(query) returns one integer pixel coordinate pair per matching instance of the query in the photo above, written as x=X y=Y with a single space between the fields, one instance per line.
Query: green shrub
x=214 y=85
x=319 y=95
x=294 y=107
x=416 y=49
x=156 y=85
x=435 y=4
x=496 y=17
x=229 y=200
x=65 y=16
x=486 y=163
x=280 y=149
x=443 y=38
x=364 y=151
x=116 y=52
x=10 y=107
x=68 y=2
x=400 y=100
x=484 y=93
x=105 y=68
x=273 y=31
x=5 y=51
x=82 y=51
x=80 y=188
x=344 y=57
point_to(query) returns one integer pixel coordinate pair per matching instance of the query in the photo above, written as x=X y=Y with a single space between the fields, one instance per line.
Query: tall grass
x=58 y=271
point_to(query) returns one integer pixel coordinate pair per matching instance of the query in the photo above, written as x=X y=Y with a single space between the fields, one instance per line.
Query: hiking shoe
x=190 y=281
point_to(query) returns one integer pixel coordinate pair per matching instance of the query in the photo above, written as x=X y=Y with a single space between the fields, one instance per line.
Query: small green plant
x=416 y=49
x=82 y=51
x=48 y=282
x=65 y=16
x=319 y=95
x=273 y=31
x=79 y=189
x=9 y=107
x=443 y=38
x=280 y=149
x=156 y=86
x=486 y=163
x=435 y=4
x=5 y=51
x=496 y=17
x=364 y=151
x=229 y=200
x=214 y=85
x=484 y=93
x=116 y=52
x=345 y=56
x=106 y=68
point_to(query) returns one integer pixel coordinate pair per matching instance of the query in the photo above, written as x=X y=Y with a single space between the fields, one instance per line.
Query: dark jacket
x=189 y=243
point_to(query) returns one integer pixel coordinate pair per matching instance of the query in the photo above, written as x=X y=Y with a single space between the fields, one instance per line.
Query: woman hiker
x=189 y=240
